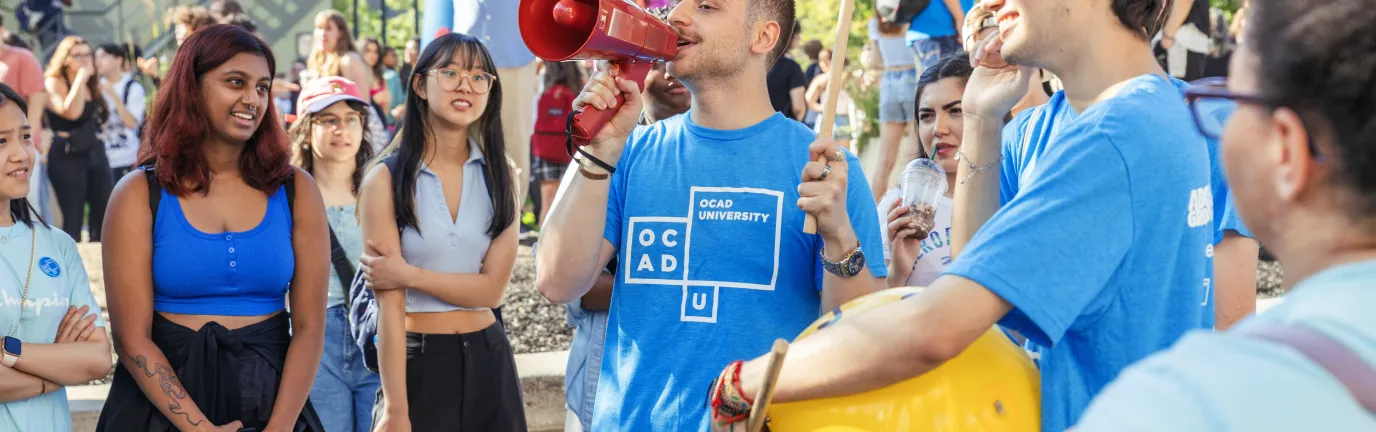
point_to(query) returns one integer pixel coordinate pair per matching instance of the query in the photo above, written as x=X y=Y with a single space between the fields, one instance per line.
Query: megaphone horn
x=614 y=30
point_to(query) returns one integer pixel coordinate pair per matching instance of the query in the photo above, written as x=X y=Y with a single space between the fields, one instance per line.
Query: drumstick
x=766 y=392
x=838 y=58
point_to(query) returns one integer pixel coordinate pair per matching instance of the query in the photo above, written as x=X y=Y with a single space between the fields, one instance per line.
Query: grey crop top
x=448 y=245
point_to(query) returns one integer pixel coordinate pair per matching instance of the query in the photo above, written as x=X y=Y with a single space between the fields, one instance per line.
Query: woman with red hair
x=205 y=247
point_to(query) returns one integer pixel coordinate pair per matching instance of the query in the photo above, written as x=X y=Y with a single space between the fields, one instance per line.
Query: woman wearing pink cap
x=330 y=140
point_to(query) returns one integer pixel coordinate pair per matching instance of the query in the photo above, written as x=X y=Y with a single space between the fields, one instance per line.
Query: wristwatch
x=849 y=265
x=10 y=355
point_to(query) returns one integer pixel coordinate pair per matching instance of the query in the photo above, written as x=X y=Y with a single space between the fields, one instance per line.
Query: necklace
x=6 y=238
x=33 y=251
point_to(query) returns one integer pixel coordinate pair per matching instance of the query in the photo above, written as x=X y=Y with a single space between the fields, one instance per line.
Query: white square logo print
x=699 y=304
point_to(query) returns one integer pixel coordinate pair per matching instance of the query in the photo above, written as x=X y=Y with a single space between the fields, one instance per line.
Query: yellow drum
x=992 y=386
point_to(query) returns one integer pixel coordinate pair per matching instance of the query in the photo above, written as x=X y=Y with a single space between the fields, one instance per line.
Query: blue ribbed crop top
x=243 y=273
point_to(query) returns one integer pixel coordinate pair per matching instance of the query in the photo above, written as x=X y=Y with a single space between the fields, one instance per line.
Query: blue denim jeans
x=344 y=390
x=928 y=51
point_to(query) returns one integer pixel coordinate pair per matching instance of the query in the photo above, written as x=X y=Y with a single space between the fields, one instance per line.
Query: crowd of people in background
x=378 y=200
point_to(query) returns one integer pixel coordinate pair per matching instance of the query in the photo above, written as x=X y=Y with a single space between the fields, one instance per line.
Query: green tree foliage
x=818 y=18
x=401 y=20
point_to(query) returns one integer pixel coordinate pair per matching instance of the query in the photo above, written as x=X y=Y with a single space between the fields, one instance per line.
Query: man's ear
x=767 y=35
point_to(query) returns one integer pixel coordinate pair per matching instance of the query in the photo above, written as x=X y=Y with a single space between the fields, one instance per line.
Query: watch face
x=857 y=263
x=13 y=346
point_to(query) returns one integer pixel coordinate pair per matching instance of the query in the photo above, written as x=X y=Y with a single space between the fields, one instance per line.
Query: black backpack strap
x=343 y=270
x=290 y=186
x=128 y=85
x=154 y=190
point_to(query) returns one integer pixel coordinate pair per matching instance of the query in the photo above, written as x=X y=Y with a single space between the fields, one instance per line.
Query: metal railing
x=60 y=30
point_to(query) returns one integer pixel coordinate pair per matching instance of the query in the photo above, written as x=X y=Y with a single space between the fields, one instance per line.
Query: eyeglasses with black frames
x=1212 y=103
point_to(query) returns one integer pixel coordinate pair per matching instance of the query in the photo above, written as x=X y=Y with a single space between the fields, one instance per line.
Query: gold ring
x=839 y=156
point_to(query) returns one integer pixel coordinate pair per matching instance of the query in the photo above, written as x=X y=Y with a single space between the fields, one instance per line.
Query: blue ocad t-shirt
x=1104 y=247
x=714 y=264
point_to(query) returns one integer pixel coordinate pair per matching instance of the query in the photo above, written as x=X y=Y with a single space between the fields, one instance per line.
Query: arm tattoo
x=170 y=385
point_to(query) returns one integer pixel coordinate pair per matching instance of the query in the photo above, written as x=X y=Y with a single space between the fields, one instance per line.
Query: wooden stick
x=766 y=392
x=838 y=58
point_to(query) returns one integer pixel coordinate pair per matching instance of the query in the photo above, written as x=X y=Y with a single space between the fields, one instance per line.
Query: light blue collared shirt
x=448 y=245
x=585 y=360
x=1230 y=382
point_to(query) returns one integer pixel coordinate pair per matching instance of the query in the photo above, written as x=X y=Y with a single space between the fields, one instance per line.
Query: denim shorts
x=928 y=51
x=896 y=96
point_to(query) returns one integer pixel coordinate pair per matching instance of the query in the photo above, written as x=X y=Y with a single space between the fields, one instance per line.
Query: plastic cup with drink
x=921 y=184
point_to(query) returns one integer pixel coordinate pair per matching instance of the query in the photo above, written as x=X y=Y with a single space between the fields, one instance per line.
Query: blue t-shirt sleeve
x=1231 y=221
x=864 y=219
x=1052 y=249
x=1014 y=143
x=616 y=193
x=1226 y=217
x=79 y=289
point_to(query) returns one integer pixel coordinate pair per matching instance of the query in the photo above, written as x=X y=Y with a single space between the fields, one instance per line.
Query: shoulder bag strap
x=343 y=270
x=1349 y=369
x=290 y=186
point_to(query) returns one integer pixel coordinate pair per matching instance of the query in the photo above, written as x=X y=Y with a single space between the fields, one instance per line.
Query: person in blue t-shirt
x=705 y=214
x=1300 y=154
x=1102 y=253
x=663 y=97
x=935 y=32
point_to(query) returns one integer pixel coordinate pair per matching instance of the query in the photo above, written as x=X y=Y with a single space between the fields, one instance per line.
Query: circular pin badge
x=49 y=267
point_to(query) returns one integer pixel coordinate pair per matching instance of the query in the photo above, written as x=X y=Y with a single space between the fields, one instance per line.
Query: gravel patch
x=533 y=323
x=1269 y=277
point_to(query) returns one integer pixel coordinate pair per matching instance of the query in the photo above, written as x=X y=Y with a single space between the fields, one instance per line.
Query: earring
x=305 y=146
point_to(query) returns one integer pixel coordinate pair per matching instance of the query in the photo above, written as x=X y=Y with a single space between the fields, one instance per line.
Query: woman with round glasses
x=1300 y=150
x=439 y=220
x=330 y=141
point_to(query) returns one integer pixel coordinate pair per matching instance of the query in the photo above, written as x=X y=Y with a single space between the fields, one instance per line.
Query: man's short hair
x=779 y=11
x=1146 y=17
x=812 y=48
x=117 y=50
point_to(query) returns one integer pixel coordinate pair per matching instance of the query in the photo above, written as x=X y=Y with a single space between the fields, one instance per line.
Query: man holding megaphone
x=705 y=213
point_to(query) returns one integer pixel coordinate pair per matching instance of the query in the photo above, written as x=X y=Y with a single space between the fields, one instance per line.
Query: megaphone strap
x=568 y=145
x=610 y=169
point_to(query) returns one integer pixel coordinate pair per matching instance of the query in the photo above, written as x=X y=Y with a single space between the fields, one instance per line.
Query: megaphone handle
x=589 y=121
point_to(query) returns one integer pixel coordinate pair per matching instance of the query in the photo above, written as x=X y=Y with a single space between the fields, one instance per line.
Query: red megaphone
x=614 y=30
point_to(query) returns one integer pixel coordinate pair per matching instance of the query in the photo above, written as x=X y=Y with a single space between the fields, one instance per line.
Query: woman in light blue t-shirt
x=50 y=326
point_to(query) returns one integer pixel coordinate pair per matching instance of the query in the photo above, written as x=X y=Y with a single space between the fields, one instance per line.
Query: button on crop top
x=448 y=245
x=230 y=273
